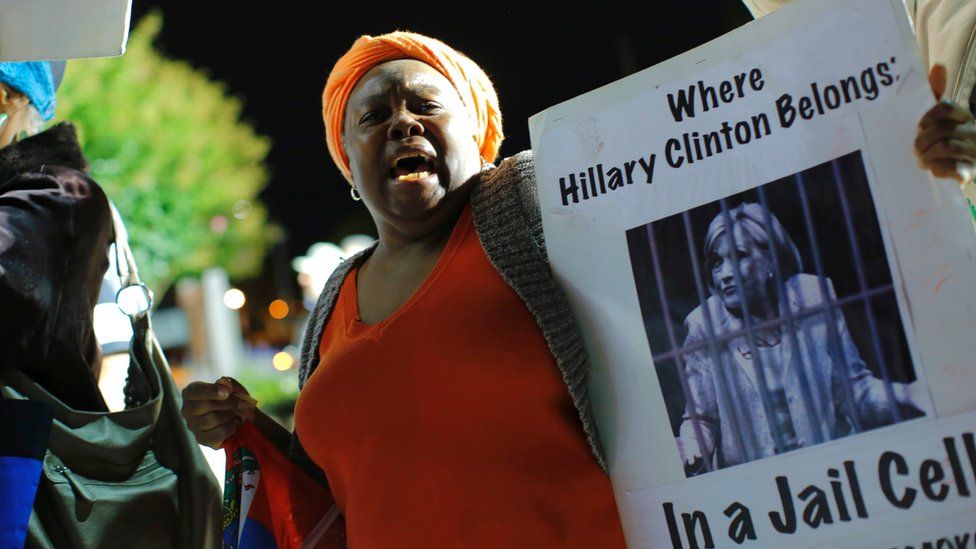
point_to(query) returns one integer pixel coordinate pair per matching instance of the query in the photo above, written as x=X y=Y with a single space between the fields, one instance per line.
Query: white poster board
x=48 y=30
x=771 y=168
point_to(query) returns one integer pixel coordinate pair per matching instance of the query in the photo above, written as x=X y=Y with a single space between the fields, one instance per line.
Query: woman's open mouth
x=411 y=167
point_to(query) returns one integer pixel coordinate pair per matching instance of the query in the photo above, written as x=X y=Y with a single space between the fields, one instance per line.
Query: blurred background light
x=234 y=299
x=283 y=361
x=278 y=309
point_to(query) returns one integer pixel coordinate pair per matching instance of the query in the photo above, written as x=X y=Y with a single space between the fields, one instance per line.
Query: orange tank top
x=448 y=424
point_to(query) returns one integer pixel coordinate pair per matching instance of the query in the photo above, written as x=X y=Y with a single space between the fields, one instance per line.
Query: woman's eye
x=368 y=117
x=428 y=107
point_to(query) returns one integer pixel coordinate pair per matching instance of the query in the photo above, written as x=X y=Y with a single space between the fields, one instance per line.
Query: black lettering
x=855 y=484
x=889 y=459
x=695 y=522
x=831 y=97
x=743 y=134
x=931 y=474
x=756 y=79
x=629 y=169
x=816 y=98
x=603 y=184
x=672 y=524
x=838 y=489
x=869 y=84
x=725 y=91
x=616 y=178
x=785 y=110
x=688 y=154
x=970 y=444
x=586 y=194
x=962 y=486
x=850 y=89
x=694 y=137
x=884 y=74
x=712 y=144
x=673 y=145
x=817 y=510
x=784 y=523
x=962 y=542
x=727 y=134
x=805 y=104
x=741 y=528
x=593 y=189
x=648 y=167
x=760 y=125
x=707 y=93
x=569 y=190
x=684 y=105
x=740 y=80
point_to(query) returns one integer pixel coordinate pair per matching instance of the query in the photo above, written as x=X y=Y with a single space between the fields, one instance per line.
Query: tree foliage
x=169 y=147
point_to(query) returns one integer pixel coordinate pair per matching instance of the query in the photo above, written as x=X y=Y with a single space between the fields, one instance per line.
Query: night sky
x=277 y=55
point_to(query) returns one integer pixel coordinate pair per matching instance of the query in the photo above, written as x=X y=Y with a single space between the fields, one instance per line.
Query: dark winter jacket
x=55 y=229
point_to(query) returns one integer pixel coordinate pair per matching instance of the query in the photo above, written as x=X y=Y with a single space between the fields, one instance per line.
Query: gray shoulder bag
x=132 y=478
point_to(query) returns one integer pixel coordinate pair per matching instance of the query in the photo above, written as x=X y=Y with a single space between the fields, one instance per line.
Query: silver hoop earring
x=354 y=194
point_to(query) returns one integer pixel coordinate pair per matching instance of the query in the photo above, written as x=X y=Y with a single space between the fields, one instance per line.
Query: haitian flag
x=24 y=429
x=269 y=503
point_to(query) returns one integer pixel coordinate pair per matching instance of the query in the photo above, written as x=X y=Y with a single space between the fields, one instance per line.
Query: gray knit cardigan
x=506 y=215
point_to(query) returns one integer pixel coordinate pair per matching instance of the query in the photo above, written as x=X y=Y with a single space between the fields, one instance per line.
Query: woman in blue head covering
x=51 y=217
x=55 y=229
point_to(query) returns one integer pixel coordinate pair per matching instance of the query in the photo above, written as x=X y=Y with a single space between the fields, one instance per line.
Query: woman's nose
x=725 y=271
x=404 y=125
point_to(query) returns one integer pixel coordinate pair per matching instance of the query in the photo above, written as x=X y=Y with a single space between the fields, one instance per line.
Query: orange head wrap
x=471 y=83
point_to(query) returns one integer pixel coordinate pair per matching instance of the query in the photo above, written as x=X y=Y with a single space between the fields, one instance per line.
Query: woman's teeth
x=413 y=176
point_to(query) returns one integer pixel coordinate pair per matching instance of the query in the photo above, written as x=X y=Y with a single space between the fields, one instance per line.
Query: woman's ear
x=11 y=100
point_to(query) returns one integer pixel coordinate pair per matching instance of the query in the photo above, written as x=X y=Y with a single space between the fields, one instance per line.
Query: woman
x=816 y=386
x=55 y=230
x=444 y=382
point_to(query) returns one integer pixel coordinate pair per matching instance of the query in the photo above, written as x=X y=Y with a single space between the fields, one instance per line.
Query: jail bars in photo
x=765 y=360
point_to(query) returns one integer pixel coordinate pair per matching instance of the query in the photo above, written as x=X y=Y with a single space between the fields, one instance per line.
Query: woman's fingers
x=937 y=80
x=208 y=421
x=213 y=411
x=944 y=169
x=199 y=390
x=930 y=135
x=216 y=436
x=945 y=112
x=950 y=149
x=946 y=141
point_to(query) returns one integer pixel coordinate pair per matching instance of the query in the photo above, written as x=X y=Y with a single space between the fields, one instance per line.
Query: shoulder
x=803 y=291
x=505 y=202
x=695 y=321
x=517 y=171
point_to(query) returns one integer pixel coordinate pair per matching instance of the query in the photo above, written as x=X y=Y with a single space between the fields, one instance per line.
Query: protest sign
x=46 y=30
x=777 y=303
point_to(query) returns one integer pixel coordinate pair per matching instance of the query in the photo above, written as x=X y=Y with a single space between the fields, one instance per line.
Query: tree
x=169 y=147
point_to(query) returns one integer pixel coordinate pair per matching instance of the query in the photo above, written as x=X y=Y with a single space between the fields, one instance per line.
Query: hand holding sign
x=946 y=139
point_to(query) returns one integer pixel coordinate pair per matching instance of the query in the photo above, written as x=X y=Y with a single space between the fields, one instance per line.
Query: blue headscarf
x=35 y=80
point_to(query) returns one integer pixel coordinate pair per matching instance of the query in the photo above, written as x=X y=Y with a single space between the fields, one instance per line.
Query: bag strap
x=135 y=300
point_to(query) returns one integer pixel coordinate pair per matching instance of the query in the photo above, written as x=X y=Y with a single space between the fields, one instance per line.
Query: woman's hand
x=910 y=397
x=214 y=411
x=946 y=139
x=693 y=452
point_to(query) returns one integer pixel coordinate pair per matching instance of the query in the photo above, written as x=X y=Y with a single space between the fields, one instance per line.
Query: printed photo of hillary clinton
x=787 y=333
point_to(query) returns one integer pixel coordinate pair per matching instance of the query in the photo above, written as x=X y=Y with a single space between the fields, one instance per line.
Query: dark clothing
x=55 y=229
